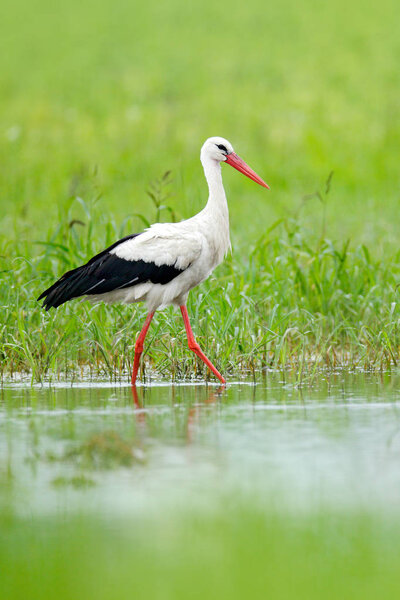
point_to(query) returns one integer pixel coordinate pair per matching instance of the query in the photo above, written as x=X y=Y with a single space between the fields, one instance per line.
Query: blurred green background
x=99 y=98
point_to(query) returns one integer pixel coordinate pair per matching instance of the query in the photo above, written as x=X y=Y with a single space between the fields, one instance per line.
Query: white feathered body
x=160 y=265
x=196 y=246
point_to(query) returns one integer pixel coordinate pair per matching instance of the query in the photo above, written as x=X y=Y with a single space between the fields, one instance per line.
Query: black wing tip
x=46 y=304
x=48 y=298
x=58 y=293
x=53 y=297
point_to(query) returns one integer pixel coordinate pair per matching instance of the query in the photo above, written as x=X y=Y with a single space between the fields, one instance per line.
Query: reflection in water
x=194 y=412
x=210 y=396
x=106 y=448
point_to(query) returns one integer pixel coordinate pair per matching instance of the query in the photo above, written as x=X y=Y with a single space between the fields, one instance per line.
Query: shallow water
x=334 y=443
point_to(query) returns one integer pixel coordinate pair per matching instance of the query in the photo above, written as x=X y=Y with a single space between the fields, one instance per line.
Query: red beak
x=237 y=163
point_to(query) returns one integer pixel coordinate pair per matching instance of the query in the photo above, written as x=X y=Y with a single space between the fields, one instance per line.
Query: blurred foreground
x=193 y=491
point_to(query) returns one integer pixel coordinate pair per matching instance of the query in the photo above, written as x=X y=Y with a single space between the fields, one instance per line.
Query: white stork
x=163 y=263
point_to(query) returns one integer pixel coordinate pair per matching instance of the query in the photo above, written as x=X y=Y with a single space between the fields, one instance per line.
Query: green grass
x=233 y=553
x=97 y=100
x=296 y=300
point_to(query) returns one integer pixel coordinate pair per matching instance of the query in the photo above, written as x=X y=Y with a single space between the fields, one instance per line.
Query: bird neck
x=216 y=198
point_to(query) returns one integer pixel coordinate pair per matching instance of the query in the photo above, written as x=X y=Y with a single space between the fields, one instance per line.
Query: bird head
x=220 y=150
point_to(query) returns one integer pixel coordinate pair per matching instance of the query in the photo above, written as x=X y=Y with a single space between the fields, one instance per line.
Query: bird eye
x=222 y=147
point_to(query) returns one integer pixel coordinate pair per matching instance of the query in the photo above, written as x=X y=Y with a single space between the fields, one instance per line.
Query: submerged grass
x=105 y=450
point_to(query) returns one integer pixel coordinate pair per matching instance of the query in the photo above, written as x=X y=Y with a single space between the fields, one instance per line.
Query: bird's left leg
x=139 y=346
x=193 y=345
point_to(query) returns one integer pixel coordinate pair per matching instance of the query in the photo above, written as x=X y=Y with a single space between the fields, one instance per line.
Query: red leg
x=139 y=347
x=193 y=345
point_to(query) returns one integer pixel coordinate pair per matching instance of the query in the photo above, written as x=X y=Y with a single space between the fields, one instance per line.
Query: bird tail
x=69 y=286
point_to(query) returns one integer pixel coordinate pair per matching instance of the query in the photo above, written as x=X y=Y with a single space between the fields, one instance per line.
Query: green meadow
x=99 y=100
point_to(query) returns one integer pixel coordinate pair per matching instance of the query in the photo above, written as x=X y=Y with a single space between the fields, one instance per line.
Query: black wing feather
x=104 y=273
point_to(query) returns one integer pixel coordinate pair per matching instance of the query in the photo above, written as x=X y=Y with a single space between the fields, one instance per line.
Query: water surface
x=334 y=443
